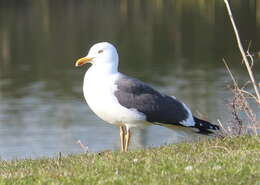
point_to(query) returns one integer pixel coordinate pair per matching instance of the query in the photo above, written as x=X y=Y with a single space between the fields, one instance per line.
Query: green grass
x=216 y=161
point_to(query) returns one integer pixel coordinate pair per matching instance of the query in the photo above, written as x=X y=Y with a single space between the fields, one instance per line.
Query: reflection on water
x=175 y=45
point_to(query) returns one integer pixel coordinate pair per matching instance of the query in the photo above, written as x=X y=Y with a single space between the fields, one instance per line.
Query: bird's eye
x=100 y=51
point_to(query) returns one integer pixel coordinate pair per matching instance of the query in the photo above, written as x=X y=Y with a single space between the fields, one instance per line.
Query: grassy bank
x=220 y=161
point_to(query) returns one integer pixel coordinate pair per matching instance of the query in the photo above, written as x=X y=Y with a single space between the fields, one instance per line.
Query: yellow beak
x=82 y=61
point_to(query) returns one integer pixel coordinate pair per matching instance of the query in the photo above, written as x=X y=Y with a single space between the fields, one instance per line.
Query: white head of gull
x=103 y=57
x=127 y=102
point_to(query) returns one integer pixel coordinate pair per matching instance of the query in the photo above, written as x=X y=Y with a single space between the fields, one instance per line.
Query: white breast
x=99 y=93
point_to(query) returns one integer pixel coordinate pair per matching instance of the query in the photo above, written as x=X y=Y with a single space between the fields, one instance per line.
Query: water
x=176 y=46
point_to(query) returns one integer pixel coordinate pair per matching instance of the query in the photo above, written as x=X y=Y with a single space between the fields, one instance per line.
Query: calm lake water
x=177 y=46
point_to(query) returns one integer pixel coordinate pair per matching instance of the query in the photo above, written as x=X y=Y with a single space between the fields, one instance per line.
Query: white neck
x=104 y=69
x=105 y=66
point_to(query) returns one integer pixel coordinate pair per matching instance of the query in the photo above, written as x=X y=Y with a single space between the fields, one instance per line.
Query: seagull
x=128 y=102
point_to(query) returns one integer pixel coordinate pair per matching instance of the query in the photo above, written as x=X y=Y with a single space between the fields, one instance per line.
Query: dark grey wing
x=132 y=93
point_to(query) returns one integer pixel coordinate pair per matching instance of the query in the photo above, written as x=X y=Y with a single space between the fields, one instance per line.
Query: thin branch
x=250 y=94
x=249 y=54
x=84 y=148
x=243 y=52
x=222 y=127
x=230 y=73
x=249 y=45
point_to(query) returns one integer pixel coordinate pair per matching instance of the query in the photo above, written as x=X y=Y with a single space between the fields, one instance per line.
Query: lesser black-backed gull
x=127 y=102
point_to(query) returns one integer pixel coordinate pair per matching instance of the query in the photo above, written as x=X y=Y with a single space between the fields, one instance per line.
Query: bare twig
x=238 y=105
x=84 y=148
x=231 y=75
x=249 y=54
x=250 y=94
x=235 y=113
x=223 y=131
x=243 y=52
